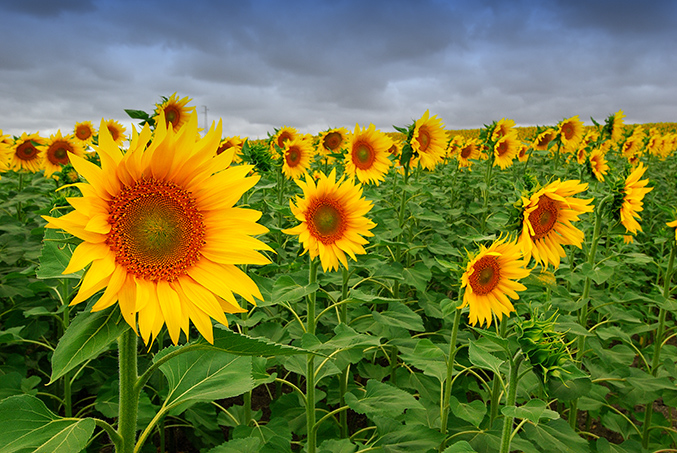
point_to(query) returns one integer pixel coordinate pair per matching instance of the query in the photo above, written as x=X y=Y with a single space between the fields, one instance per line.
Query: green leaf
x=399 y=315
x=137 y=114
x=337 y=446
x=275 y=436
x=27 y=425
x=382 y=400
x=55 y=256
x=557 y=435
x=225 y=340
x=245 y=445
x=286 y=289
x=460 y=447
x=472 y=412
x=417 y=276
x=482 y=358
x=427 y=357
x=533 y=410
x=197 y=375
x=408 y=438
x=88 y=335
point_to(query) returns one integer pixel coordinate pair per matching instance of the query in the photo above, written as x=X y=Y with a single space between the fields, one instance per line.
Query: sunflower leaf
x=27 y=425
x=56 y=253
x=225 y=340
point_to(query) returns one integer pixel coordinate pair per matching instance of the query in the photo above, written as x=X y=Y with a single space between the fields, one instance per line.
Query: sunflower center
x=544 y=217
x=466 y=152
x=486 y=275
x=172 y=115
x=114 y=133
x=568 y=131
x=58 y=153
x=283 y=137
x=156 y=230
x=326 y=221
x=83 y=133
x=363 y=156
x=423 y=139
x=26 y=151
x=502 y=148
x=332 y=141
x=293 y=156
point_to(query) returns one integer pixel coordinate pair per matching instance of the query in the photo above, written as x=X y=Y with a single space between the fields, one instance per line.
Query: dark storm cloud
x=312 y=65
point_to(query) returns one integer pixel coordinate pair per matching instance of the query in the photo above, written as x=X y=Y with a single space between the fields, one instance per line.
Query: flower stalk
x=444 y=415
x=129 y=396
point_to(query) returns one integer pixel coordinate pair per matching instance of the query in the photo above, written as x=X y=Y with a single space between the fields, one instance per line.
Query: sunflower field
x=167 y=289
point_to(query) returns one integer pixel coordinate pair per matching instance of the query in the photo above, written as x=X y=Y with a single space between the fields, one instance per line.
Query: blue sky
x=312 y=65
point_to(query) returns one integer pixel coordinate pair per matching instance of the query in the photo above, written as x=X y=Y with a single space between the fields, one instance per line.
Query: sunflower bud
x=545 y=347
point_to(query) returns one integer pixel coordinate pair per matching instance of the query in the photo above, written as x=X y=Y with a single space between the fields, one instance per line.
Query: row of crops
x=499 y=289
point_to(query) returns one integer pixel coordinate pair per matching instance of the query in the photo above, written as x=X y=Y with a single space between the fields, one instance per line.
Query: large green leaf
x=27 y=425
x=382 y=400
x=408 y=438
x=533 y=410
x=557 y=435
x=399 y=315
x=286 y=289
x=88 y=335
x=199 y=375
x=225 y=340
x=56 y=253
x=482 y=358
x=472 y=412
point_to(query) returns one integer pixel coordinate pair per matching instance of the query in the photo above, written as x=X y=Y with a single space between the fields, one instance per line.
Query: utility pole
x=206 y=123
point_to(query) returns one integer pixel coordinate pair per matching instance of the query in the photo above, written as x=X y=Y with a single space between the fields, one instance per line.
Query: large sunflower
x=115 y=129
x=298 y=153
x=59 y=150
x=505 y=150
x=333 y=219
x=28 y=153
x=175 y=111
x=490 y=281
x=547 y=226
x=84 y=132
x=368 y=153
x=571 y=133
x=160 y=231
x=634 y=191
x=429 y=140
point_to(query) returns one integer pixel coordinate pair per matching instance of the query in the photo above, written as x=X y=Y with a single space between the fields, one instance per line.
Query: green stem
x=506 y=435
x=129 y=397
x=311 y=444
x=447 y=383
x=343 y=379
x=658 y=343
x=496 y=387
x=400 y=218
x=485 y=192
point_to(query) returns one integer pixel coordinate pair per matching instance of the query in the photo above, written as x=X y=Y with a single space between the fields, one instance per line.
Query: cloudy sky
x=260 y=65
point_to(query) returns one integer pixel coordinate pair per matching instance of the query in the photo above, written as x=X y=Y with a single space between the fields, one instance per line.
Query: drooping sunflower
x=161 y=233
x=84 y=132
x=503 y=127
x=28 y=153
x=617 y=126
x=58 y=152
x=633 y=193
x=544 y=138
x=505 y=150
x=175 y=111
x=333 y=219
x=490 y=281
x=298 y=154
x=571 y=133
x=547 y=221
x=429 y=140
x=598 y=164
x=367 y=157
x=116 y=130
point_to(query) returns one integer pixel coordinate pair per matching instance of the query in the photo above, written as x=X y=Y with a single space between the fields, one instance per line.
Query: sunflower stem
x=450 y=371
x=400 y=218
x=311 y=443
x=343 y=379
x=496 y=386
x=506 y=435
x=658 y=343
x=129 y=397
x=485 y=192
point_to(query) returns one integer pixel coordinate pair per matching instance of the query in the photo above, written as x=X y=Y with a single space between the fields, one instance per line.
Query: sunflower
x=333 y=219
x=298 y=154
x=544 y=138
x=523 y=153
x=59 y=150
x=598 y=164
x=546 y=225
x=115 y=129
x=282 y=135
x=490 y=281
x=175 y=111
x=84 y=132
x=429 y=140
x=617 y=126
x=160 y=231
x=571 y=133
x=502 y=128
x=633 y=144
x=469 y=151
x=333 y=140
x=235 y=143
x=368 y=153
x=633 y=194
x=454 y=146
x=581 y=154
x=28 y=153
x=505 y=150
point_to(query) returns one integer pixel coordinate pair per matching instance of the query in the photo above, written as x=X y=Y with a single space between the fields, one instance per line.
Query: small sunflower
x=454 y=146
x=617 y=126
x=429 y=140
x=333 y=219
x=298 y=154
x=5 y=152
x=523 y=153
x=282 y=135
x=368 y=153
x=116 y=130
x=59 y=150
x=503 y=128
x=580 y=154
x=333 y=141
x=160 y=230
x=232 y=142
x=84 y=132
x=543 y=139
x=28 y=153
x=505 y=150
x=490 y=281
x=571 y=133
x=633 y=194
x=547 y=226
x=175 y=111
x=468 y=152
x=598 y=164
